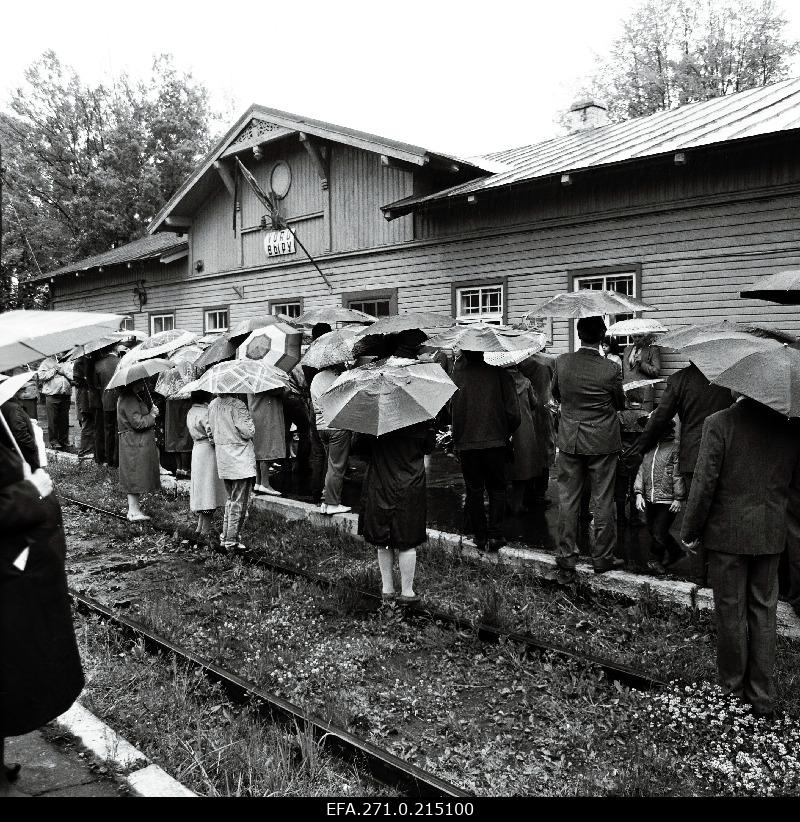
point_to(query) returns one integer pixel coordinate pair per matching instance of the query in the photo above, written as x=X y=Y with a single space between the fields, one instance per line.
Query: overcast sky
x=463 y=77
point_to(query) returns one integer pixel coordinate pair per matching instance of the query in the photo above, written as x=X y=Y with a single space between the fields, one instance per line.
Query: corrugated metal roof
x=751 y=113
x=151 y=245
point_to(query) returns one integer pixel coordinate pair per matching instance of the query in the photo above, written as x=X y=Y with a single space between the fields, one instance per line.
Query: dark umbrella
x=244 y=328
x=782 y=288
x=220 y=350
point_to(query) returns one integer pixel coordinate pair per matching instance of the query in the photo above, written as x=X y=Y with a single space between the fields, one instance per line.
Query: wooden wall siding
x=211 y=237
x=305 y=193
x=597 y=192
x=359 y=186
x=694 y=263
x=310 y=232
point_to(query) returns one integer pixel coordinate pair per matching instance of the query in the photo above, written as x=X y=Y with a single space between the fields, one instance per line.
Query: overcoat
x=394 y=497
x=40 y=670
x=527 y=462
x=266 y=409
x=589 y=388
x=207 y=490
x=176 y=433
x=541 y=377
x=747 y=469
x=233 y=431
x=139 y=470
x=104 y=370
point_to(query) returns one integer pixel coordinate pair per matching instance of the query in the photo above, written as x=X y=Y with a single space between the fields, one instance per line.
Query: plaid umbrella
x=26 y=336
x=588 y=302
x=165 y=342
x=276 y=344
x=174 y=379
x=334 y=314
x=483 y=337
x=125 y=375
x=382 y=397
x=241 y=377
x=333 y=348
x=771 y=377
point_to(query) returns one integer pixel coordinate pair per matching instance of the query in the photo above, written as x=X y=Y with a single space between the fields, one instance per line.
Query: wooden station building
x=682 y=208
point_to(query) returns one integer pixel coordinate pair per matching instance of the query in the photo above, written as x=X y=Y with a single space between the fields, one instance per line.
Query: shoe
x=612 y=565
x=495 y=545
x=270 y=492
x=656 y=568
x=138 y=518
x=338 y=509
x=323 y=509
x=404 y=600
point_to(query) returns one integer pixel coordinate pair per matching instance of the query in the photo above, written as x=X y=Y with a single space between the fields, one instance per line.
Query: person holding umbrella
x=57 y=391
x=207 y=492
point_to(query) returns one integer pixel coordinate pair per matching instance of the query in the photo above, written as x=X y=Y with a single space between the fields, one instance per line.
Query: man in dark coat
x=689 y=395
x=104 y=369
x=747 y=468
x=21 y=428
x=40 y=670
x=589 y=388
x=83 y=405
x=485 y=414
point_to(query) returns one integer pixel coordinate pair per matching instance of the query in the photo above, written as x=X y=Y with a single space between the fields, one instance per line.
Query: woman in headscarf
x=138 y=456
x=40 y=670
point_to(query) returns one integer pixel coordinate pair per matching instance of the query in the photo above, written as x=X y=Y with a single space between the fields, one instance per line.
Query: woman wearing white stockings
x=395 y=511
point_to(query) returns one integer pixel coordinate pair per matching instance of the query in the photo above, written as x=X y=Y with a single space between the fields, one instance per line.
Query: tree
x=672 y=52
x=86 y=168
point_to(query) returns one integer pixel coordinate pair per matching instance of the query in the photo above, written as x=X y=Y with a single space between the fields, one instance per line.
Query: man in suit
x=689 y=395
x=746 y=471
x=589 y=388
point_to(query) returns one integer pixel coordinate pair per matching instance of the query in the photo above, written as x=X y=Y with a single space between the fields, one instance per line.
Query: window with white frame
x=381 y=307
x=127 y=324
x=480 y=303
x=624 y=282
x=290 y=309
x=215 y=320
x=161 y=322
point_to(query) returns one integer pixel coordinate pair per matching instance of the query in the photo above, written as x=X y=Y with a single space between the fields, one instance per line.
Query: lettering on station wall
x=277 y=243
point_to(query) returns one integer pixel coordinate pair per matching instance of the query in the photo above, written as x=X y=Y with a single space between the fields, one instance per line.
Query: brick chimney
x=586 y=114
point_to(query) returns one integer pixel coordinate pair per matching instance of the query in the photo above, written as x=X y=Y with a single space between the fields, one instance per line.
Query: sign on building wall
x=277 y=243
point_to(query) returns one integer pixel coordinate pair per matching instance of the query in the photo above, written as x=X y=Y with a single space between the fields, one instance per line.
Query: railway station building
x=682 y=208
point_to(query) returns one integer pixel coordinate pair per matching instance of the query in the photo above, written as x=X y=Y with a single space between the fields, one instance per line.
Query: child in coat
x=660 y=492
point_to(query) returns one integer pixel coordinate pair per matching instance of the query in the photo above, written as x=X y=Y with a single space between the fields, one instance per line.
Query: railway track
x=381 y=764
x=613 y=671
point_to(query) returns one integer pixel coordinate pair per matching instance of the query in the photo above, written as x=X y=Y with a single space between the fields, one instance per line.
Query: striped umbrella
x=241 y=377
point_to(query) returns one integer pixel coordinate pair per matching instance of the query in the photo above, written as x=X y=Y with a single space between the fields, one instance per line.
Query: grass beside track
x=544 y=727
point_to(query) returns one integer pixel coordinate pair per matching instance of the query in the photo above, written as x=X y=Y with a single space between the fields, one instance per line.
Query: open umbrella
x=588 y=302
x=333 y=348
x=244 y=328
x=506 y=359
x=91 y=347
x=220 y=350
x=334 y=314
x=130 y=334
x=276 y=344
x=8 y=387
x=484 y=337
x=770 y=377
x=782 y=288
x=26 y=336
x=408 y=321
x=382 y=397
x=127 y=374
x=634 y=384
x=242 y=377
x=173 y=379
x=714 y=354
x=159 y=345
x=637 y=325
x=705 y=331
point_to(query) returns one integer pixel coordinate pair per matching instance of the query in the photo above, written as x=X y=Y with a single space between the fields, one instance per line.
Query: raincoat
x=233 y=431
x=138 y=456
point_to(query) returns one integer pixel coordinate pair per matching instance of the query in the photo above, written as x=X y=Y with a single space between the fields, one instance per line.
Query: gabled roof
x=759 y=111
x=262 y=124
x=148 y=247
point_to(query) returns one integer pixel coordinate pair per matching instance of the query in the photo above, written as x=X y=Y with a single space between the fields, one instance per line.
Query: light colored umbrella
x=10 y=385
x=704 y=331
x=484 y=337
x=91 y=347
x=637 y=325
x=276 y=344
x=242 y=377
x=408 y=321
x=174 y=379
x=770 y=377
x=588 y=302
x=159 y=345
x=782 y=288
x=382 y=397
x=26 y=336
x=334 y=314
x=714 y=354
x=130 y=334
x=187 y=354
x=507 y=359
x=634 y=384
x=125 y=375
x=333 y=348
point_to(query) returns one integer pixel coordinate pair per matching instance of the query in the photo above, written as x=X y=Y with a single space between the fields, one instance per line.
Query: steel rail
x=614 y=671
x=381 y=764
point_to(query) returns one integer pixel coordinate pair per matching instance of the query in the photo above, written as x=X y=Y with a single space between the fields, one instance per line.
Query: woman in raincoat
x=207 y=490
x=138 y=456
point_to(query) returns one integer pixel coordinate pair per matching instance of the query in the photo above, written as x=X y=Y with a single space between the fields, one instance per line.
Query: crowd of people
x=731 y=465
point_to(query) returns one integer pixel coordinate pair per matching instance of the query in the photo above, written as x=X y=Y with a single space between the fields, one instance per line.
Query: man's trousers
x=745 y=607
x=485 y=468
x=573 y=471
x=238 y=491
x=58 y=419
x=86 y=422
